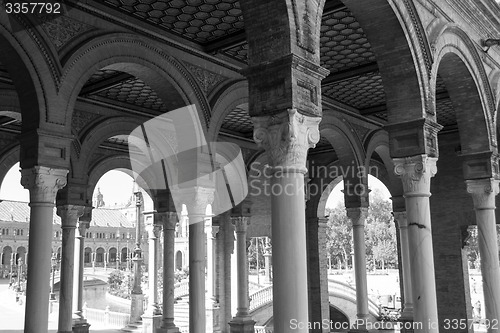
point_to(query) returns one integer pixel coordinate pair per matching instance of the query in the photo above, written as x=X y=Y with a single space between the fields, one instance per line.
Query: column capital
x=286 y=137
x=416 y=172
x=483 y=192
x=401 y=219
x=212 y=230
x=240 y=223
x=357 y=215
x=69 y=215
x=43 y=183
x=196 y=199
x=153 y=230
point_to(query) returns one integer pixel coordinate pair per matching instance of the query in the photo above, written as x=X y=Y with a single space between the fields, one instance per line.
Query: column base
x=81 y=327
x=171 y=329
x=242 y=325
x=213 y=320
x=137 y=307
x=151 y=323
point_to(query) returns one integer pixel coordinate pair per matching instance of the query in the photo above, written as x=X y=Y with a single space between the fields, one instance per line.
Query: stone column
x=43 y=184
x=69 y=217
x=286 y=137
x=196 y=200
x=242 y=322
x=137 y=297
x=402 y=221
x=357 y=215
x=80 y=323
x=483 y=193
x=213 y=304
x=268 y=250
x=230 y=270
x=152 y=316
x=416 y=173
x=319 y=303
x=168 y=219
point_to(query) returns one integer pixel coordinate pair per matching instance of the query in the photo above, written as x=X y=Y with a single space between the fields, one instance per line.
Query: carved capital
x=167 y=219
x=82 y=226
x=43 y=183
x=213 y=230
x=153 y=230
x=240 y=223
x=69 y=215
x=357 y=215
x=416 y=173
x=286 y=137
x=483 y=192
x=401 y=219
x=196 y=199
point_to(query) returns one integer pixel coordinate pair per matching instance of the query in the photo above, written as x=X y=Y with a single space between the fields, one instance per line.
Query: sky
x=117 y=188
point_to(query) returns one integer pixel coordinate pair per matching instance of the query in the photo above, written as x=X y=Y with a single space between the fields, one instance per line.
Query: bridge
x=98 y=273
x=342 y=298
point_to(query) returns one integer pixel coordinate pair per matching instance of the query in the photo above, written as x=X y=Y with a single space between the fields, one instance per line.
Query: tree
x=339 y=235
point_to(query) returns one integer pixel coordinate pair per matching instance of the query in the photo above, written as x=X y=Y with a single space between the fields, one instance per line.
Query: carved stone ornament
x=153 y=230
x=167 y=219
x=196 y=199
x=401 y=219
x=357 y=215
x=483 y=192
x=43 y=183
x=416 y=173
x=69 y=215
x=286 y=137
x=240 y=223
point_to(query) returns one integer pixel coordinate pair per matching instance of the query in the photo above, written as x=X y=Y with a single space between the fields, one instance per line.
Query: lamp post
x=19 y=272
x=117 y=258
x=54 y=265
x=11 y=267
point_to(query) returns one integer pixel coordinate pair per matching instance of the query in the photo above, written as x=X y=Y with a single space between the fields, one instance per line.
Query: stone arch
x=7 y=255
x=98 y=134
x=87 y=255
x=131 y=54
x=378 y=142
x=461 y=68
x=117 y=162
x=296 y=29
x=8 y=158
x=344 y=141
x=398 y=40
x=28 y=67
x=178 y=260
x=232 y=97
x=99 y=255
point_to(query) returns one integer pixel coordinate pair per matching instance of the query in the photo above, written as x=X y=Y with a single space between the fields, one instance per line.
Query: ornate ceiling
x=217 y=26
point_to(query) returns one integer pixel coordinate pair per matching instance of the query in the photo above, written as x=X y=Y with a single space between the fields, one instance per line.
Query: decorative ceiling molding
x=62 y=29
x=208 y=80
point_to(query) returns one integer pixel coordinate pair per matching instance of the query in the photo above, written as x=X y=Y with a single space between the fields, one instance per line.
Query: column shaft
x=169 y=220
x=483 y=193
x=402 y=221
x=69 y=215
x=358 y=217
x=289 y=253
x=197 y=237
x=153 y=308
x=43 y=184
x=416 y=173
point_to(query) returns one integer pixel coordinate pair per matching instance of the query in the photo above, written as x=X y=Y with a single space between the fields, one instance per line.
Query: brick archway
x=128 y=53
x=459 y=65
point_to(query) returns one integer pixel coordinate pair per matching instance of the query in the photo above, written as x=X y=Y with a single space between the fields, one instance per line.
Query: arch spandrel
x=129 y=53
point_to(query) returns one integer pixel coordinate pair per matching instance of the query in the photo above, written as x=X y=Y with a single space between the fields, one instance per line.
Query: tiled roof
x=16 y=211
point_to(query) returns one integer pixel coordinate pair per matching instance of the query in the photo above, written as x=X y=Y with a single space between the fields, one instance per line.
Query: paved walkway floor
x=12 y=314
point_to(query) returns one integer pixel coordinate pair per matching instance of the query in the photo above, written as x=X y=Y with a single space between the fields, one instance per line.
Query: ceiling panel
x=200 y=21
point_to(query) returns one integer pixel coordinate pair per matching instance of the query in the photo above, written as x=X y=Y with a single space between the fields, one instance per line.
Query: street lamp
x=117 y=249
x=54 y=265
x=19 y=272
x=11 y=267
